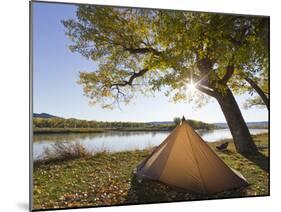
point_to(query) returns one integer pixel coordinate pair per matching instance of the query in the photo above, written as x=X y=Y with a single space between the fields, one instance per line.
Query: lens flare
x=191 y=86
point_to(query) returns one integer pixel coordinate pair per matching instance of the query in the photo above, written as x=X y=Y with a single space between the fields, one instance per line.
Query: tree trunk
x=236 y=123
x=259 y=91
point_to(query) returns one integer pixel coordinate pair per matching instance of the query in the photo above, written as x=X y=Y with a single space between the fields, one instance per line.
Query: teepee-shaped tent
x=185 y=161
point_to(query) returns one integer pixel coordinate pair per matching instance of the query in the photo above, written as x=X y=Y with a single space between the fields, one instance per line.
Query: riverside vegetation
x=71 y=125
x=71 y=176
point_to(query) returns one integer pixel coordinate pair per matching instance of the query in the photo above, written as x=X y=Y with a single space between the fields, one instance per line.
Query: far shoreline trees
x=77 y=123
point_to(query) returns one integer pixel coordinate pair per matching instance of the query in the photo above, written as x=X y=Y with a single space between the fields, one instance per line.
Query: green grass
x=107 y=179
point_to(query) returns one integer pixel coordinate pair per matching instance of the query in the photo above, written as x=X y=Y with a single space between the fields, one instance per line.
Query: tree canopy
x=143 y=50
x=146 y=50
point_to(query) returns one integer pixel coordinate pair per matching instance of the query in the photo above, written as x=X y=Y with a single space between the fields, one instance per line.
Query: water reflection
x=56 y=137
x=120 y=141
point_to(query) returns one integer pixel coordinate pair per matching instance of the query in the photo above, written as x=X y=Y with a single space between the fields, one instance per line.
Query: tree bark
x=259 y=91
x=236 y=123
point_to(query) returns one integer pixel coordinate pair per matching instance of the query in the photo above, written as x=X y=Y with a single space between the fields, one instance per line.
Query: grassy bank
x=107 y=179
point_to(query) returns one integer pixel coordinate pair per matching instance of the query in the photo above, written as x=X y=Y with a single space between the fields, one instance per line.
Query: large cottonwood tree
x=142 y=50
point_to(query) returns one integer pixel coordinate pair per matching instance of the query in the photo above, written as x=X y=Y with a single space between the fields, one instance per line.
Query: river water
x=120 y=141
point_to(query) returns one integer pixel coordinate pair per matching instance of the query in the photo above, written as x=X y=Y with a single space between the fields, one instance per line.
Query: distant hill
x=255 y=124
x=44 y=115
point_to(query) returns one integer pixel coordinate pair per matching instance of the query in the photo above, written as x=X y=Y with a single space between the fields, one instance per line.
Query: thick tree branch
x=228 y=74
x=205 y=65
x=143 y=50
x=132 y=77
x=259 y=91
x=206 y=90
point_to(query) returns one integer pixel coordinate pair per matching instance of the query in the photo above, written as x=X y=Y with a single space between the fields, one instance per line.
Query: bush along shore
x=70 y=176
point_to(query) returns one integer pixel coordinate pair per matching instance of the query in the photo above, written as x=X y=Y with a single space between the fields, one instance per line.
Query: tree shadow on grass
x=259 y=159
x=148 y=191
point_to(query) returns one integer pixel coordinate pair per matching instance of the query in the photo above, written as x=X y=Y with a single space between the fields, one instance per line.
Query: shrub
x=65 y=151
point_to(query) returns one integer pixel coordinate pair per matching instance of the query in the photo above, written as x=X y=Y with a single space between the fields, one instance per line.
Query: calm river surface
x=120 y=141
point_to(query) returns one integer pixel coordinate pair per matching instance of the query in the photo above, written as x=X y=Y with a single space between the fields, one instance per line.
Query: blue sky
x=56 y=71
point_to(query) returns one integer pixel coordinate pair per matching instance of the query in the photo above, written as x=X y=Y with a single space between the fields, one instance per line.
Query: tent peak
x=182 y=120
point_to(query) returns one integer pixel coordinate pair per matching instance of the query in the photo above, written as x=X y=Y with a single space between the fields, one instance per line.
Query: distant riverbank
x=50 y=124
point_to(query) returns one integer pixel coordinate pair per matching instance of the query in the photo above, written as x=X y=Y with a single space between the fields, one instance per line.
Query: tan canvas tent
x=185 y=161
